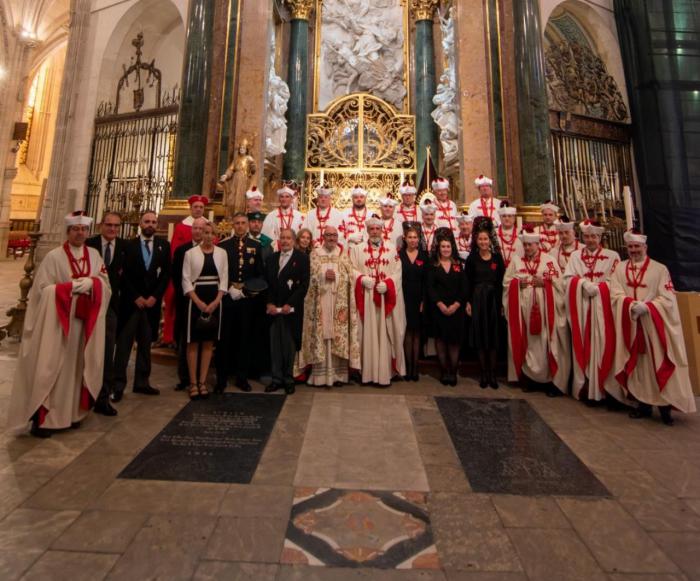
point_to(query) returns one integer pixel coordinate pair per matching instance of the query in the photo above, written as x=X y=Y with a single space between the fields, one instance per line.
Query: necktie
x=148 y=246
x=108 y=254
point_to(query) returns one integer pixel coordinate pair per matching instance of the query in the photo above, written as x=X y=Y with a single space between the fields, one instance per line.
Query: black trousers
x=110 y=347
x=282 y=352
x=136 y=328
x=234 y=349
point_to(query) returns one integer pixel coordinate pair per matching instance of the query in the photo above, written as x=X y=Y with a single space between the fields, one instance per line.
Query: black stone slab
x=505 y=447
x=219 y=439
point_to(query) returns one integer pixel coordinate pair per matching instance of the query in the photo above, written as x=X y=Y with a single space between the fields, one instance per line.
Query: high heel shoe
x=483 y=382
x=493 y=382
x=193 y=391
x=203 y=391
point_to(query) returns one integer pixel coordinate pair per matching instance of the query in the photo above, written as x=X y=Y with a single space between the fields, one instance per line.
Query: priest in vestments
x=651 y=363
x=330 y=339
x=61 y=358
x=377 y=283
x=182 y=234
x=589 y=310
x=534 y=308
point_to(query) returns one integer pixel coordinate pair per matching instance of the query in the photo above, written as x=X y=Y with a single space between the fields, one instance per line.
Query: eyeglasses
x=111 y=225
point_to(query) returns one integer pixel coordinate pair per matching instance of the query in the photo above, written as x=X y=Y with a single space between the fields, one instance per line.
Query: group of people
x=336 y=295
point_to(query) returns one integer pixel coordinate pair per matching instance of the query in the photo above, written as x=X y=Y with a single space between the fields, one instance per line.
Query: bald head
x=198 y=225
x=330 y=237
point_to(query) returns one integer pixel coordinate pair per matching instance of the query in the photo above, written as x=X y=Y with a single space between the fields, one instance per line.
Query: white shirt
x=284 y=259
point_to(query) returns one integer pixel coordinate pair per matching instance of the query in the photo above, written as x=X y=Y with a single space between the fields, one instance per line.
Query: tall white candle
x=519 y=223
x=211 y=215
x=629 y=207
x=171 y=229
x=323 y=178
x=401 y=179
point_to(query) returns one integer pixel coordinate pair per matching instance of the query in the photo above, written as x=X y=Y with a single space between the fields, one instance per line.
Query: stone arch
x=593 y=27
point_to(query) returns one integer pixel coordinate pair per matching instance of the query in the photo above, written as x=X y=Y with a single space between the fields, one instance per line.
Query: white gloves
x=639 y=309
x=381 y=287
x=367 y=282
x=223 y=178
x=82 y=286
x=355 y=238
x=590 y=289
x=235 y=293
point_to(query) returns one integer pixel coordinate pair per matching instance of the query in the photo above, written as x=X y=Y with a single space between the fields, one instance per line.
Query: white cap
x=564 y=226
x=358 y=191
x=465 y=217
x=427 y=206
x=589 y=227
x=482 y=180
x=321 y=191
x=528 y=234
x=507 y=211
x=388 y=201
x=286 y=190
x=254 y=194
x=407 y=189
x=440 y=184
x=78 y=218
x=631 y=236
x=374 y=220
x=549 y=206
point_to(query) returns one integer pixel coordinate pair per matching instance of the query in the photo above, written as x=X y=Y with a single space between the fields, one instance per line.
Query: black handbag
x=206 y=323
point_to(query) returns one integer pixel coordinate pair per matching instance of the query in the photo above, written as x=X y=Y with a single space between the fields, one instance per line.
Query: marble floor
x=354 y=483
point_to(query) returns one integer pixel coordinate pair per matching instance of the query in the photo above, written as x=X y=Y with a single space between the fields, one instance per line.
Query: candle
x=211 y=216
x=323 y=176
x=602 y=208
x=401 y=179
x=101 y=201
x=519 y=223
x=629 y=207
x=171 y=229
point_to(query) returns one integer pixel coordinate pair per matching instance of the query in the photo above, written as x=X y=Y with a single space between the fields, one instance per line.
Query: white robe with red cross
x=382 y=316
x=281 y=219
x=549 y=237
x=59 y=368
x=510 y=244
x=651 y=363
x=317 y=220
x=488 y=207
x=537 y=330
x=446 y=215
x=353 y=226
x=592 y=323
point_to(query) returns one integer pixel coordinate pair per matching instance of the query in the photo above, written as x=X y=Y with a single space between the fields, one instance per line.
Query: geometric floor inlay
x=505 y=447
x=360 y=528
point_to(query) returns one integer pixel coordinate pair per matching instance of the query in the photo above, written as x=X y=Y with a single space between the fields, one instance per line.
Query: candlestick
x=171 y=229
x=401 y=179
x=101 y=201
x=519 y=223
x=629 y=207
x=211 y=216
x=323 y=180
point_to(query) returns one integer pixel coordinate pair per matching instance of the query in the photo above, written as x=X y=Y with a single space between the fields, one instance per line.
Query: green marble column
x=297 y=79
x=533 y=110
x=194 y=101
x=426 y=129
x=228 y=85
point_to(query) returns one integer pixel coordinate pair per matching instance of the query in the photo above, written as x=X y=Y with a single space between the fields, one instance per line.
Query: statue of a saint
x=237 y=180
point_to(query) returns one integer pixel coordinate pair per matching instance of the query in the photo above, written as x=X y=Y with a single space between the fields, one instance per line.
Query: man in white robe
x=549 y=235
x=428 y=227
x=283 y=218
x=392 y=231
x=322 y=216
x=534 y=308
x=464 y=237
x=485 y=204
x=353 y=226
x=408 y=209
x=507 y=234
x=567 y=244
x=590 y=315
x=61 y=358
x=254 y=200
x=330 y=338
x=446 y=215
x=651 y=363
x=377 y=271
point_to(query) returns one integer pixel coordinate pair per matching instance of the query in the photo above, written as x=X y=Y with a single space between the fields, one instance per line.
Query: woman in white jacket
x=205 y=282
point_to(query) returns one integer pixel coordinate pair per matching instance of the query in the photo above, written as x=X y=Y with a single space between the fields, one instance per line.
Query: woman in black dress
x=446 y=291
x=484 y=274
x=204 y=282
x=414 y=262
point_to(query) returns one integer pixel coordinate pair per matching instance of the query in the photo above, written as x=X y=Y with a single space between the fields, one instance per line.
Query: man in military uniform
x=260 y=362
x=255 y=223
x=244 y=263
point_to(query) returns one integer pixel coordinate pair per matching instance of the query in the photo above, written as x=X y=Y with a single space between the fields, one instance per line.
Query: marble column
x=297 y=79
x=426 y=129
x=57 y=199
x=533 y=110
x=194 y=102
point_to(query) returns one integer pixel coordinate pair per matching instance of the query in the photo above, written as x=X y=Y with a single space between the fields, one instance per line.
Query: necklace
x=590 y=260
x=285 y=225
x=532 y=265
x=488 y=212
x=80 y=267
x=445 y=211
x=428 y=235
x=635 y=276
x=322 y=222
x=409 y=215
x=373 y=262
x=388 y=229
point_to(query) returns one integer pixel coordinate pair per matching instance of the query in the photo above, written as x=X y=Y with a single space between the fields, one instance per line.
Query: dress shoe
x=75 y=425
x=147 y=390
x=553 y=391
x=38 y=432
x=643 y=411
x=104 y=408
x=289 y=389
x=117 y=396
x=273 y=387
x=415 y=377
x=243 y=385
x=666 y=415
x=483 y=382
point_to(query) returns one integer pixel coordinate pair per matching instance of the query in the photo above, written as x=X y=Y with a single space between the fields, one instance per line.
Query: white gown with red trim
x=563 y=253
x=537 y=336
x=650 y=360
x=392 y=231
x=549 y=237
x=61 y=357
x=446 y=215
x=280 y=219
x=510 y=244
x=592 y=323
x=486 y=207
x=317 y=220
x=408 y=214
x=382 y=316
x=353 y=226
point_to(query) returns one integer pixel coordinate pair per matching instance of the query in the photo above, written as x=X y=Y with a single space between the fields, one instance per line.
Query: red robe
x=181 y=235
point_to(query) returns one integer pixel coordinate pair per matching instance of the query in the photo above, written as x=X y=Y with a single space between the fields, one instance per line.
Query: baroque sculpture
x=237 y=180
x=446 y=112
x=362 y=48
x=277 y=101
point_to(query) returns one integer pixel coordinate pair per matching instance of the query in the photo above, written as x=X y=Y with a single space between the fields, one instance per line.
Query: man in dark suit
x=233 y=352
x=288 y=280
x=144 y=280
x=180 y=328
x=111 y=249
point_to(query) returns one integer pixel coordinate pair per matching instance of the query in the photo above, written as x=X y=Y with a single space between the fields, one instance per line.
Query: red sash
x=516 y=326
x=549 y=297
x=389 y=297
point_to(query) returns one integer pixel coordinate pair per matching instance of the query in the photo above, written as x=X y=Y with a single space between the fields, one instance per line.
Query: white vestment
x=510 y=244
x=549 y=237
x=280 y=219
x=317 y=220
x=446 y=215
x=353 y=227
x=382 y=316
x=563 y=253
x=408 y=214
x=591 y=322
x=59 y=368
x=392 y=231
x=486 y=207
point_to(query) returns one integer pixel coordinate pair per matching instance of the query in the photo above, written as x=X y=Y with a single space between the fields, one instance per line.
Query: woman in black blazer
x=446 y=291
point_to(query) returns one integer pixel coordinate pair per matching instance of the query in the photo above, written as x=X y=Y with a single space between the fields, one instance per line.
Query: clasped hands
x=146 y=303
x=448 y=311
x=272 y=310
x=536 y=281
x=639 y=309
x=368 y=283
x=82 y=285
x=590 y=289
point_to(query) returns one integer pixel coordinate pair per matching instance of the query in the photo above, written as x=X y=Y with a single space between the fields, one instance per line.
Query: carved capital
x=300 y=9
x=424 y=9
